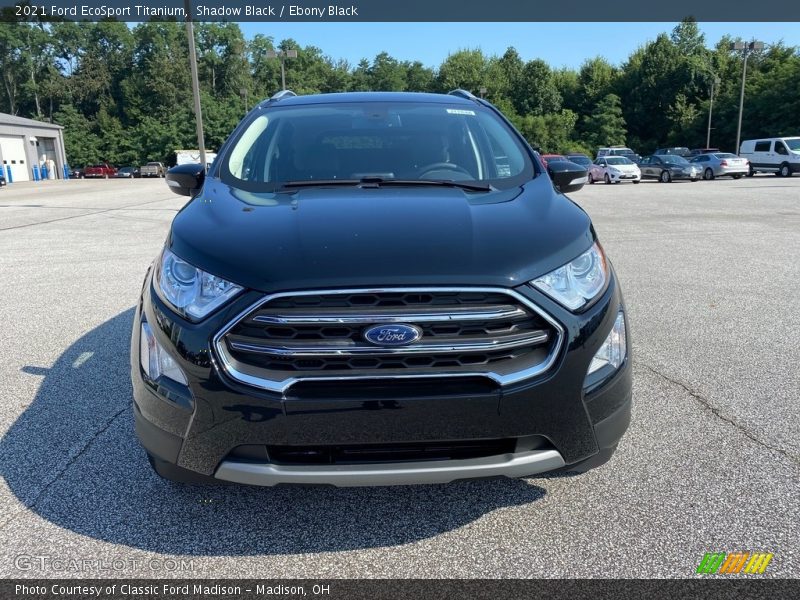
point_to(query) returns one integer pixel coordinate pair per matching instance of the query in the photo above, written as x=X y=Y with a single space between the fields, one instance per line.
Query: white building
x=25 y=143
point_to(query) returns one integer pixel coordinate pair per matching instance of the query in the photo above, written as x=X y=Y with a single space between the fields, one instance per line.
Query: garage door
x=13 y=151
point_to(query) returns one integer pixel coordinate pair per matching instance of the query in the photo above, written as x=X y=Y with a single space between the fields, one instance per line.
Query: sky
x=558 y=44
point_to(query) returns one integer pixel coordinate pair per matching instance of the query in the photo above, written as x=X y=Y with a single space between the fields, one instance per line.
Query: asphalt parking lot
x=711 y=462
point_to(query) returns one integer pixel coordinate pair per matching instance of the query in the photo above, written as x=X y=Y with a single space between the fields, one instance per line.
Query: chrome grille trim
x=429 y=346
x=226 y=363
x=401 y=315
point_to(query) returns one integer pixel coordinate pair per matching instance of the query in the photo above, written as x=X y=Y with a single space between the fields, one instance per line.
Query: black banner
x=396 y=11
x=740 y=588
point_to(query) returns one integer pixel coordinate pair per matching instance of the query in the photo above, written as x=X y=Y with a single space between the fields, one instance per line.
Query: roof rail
x=463 y=94
x=283 y=94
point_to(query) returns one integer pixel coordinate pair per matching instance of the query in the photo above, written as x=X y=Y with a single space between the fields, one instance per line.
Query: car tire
x=636 y=181
x=737 y=176
x=591 y=179
x=785 y=170
x=750 y=172
x=665 y=177
x=606 y=178
x=708 y=174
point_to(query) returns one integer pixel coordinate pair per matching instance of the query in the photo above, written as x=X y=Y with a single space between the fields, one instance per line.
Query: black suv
x=374 y=289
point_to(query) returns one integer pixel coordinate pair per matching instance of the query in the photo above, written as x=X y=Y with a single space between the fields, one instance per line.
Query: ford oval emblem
x=396 y=334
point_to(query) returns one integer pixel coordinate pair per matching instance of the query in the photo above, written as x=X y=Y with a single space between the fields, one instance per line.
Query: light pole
x=283 y=55
x=198 y=114
x=744 y=47
x=243 y=92
x=714 y=82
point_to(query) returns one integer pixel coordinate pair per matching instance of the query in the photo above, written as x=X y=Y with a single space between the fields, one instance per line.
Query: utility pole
x=243 y=92
x=754 y=45
x=283 y=55
x=714 y=81
x=198 y=113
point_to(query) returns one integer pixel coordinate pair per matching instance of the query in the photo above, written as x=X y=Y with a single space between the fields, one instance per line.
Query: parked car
x=667 y=167
x=619 y=151
x=677 y=150
x=698 y=151
x=126 y=172
x=384 y=305
x=103 y=171
x=75 y=173
x=2 y=180
x=613 y=169
x=772 y=155
x=580 y=159
x=152 y=169
x=721 y=164
x=551 y=157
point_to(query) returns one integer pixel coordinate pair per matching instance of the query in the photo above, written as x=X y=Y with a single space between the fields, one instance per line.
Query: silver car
x=721 y=164
x=668 y=167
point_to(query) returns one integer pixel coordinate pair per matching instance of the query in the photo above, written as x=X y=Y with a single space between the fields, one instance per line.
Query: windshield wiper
x=380 y=181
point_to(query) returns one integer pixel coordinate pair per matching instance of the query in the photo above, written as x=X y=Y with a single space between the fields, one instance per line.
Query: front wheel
x=607 y=179
x=591 y=178
x=665 y=177
x=708 y=174
x=636 y=181
x=737 y=176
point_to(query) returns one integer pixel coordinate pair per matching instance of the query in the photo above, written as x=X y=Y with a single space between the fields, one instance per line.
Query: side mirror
x=567 y=176
x=186 y=180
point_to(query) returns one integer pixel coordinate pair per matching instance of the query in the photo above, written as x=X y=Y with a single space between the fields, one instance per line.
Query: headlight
x=579 y=281
x=190 y=291
x=613 y=170
x=614 y=348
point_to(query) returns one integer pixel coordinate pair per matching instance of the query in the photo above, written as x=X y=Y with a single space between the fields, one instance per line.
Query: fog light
x=614 y=348
x=155 y=360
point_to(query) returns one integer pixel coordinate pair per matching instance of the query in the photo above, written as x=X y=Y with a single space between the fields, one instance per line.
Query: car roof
x=340 y=97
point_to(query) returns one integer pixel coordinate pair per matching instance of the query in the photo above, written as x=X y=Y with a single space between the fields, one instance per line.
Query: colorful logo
x=734 y=562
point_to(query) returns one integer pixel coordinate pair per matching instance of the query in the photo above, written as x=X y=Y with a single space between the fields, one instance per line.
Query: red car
x=105 y=171
x=546 y=157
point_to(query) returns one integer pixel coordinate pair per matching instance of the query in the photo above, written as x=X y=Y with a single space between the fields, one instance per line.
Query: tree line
x=124 y=95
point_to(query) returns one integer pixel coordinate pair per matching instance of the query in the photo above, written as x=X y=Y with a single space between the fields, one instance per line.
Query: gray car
x=721 y=164
x=667 y=167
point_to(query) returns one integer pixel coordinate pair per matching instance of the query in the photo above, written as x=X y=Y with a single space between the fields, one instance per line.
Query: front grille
x=388 y=453
x=291 y=337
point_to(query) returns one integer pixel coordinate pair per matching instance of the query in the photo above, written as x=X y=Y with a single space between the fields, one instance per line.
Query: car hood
x=348 y=236
x=625 y=168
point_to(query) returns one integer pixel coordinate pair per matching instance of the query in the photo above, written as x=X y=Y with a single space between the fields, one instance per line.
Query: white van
x=772 y=155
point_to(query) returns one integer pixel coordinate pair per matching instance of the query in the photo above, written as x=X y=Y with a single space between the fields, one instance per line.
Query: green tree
x=605 y=125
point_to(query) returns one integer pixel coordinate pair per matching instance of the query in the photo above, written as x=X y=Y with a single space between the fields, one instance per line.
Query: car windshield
x=672 y=159
x=378 y=141
x=793 y=144
x=580 y=160
x=618 y=160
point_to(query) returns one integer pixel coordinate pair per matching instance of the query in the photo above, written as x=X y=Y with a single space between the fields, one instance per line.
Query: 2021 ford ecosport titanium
x=373 y=289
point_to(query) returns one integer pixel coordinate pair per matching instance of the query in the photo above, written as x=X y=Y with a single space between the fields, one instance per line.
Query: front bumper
x=619 y=177
x=690 y=175
x=573 y=421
